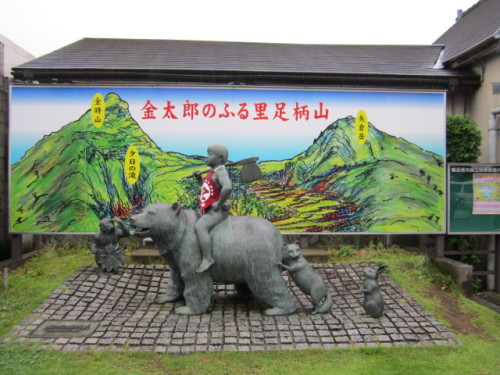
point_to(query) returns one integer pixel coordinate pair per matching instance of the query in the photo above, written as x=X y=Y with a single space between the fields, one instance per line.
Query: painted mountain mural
x=74 y=177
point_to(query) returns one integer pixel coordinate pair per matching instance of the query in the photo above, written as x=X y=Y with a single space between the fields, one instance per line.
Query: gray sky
x=41 y=27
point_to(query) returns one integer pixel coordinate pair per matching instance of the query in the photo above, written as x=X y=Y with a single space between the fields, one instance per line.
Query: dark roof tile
x=203 y=56
x=477 y=25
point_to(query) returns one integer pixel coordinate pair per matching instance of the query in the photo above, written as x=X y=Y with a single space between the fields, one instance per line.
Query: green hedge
x=463 y=139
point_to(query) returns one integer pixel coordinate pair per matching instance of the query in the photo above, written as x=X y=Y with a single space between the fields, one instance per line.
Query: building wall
x=479 y=103
x=484 y=101
x=4 y=100
x=13 y=55
x=457 y=103
x=10 y=55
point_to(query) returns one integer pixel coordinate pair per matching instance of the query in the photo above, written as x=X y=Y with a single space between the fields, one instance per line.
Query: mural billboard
x=332 y=161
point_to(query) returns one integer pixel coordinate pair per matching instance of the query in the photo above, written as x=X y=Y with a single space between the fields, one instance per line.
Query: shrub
x=463 y=139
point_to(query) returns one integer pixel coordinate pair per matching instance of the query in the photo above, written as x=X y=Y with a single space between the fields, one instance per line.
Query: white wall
x=11 y=55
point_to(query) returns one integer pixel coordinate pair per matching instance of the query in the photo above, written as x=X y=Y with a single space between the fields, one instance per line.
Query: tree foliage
x=463 y=139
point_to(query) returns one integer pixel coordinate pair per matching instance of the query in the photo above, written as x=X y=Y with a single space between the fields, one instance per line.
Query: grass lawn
x=476 y=327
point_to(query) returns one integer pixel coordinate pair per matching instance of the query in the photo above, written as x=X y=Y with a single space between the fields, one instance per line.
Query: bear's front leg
x=166 y=298
x=197 y=287
x=197 y=293
x=175 y=288
x=186 y=310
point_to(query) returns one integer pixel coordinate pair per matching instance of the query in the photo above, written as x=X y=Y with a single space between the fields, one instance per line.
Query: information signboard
x=474 y=198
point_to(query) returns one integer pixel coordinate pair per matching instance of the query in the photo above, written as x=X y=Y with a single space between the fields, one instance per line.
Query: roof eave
x=488 y=47
x=250 y=78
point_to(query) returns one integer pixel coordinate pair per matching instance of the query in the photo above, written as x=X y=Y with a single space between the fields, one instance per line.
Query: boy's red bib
x=210 y=193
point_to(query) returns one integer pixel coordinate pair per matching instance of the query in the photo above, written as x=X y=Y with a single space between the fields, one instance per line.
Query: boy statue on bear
x=216 y=188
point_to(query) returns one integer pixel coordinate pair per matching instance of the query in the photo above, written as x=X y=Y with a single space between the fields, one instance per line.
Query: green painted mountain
x=384 y=185
x=74 y=177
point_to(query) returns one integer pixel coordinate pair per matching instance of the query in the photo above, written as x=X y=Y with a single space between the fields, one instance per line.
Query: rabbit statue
x=373 y=302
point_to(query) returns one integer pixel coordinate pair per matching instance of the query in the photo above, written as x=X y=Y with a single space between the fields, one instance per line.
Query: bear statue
x=247 y=251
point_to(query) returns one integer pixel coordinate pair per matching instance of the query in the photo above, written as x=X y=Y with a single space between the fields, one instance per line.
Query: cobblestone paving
x=125 y=318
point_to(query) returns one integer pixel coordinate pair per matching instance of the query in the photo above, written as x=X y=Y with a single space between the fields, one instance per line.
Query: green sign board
x=474 y=198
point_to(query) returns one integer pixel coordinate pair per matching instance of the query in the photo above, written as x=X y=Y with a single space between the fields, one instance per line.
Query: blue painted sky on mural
x=416 y=117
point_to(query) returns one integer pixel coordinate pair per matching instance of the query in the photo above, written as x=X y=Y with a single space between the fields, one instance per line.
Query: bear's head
x=159 y=219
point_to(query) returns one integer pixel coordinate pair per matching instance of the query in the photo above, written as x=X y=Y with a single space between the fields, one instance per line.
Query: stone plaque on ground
x=65 y=328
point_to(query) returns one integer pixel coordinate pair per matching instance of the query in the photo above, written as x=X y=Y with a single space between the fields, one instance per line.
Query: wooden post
x=6 y=277
x=16 y=247
x=439 y=246
x=497 y=264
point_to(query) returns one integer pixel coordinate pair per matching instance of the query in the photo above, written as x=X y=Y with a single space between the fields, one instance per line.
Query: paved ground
x=94 y=312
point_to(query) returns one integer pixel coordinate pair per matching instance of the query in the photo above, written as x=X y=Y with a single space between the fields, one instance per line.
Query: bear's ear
x=176 y=207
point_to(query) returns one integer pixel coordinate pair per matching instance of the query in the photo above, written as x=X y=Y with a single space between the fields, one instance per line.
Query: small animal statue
x=373 y=302
x=108 y=252
x=308 y=281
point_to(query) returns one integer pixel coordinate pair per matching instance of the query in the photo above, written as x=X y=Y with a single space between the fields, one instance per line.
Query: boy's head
x=219 y=150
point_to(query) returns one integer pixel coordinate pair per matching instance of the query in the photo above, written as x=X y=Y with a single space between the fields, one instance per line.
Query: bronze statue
x=215 y=190
x=373 y=303
x=108 y=252
x=308 y=281
x=246 y=251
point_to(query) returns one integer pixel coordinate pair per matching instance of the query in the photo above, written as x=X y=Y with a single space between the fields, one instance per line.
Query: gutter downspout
x=492 y=154
x=493 y=135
